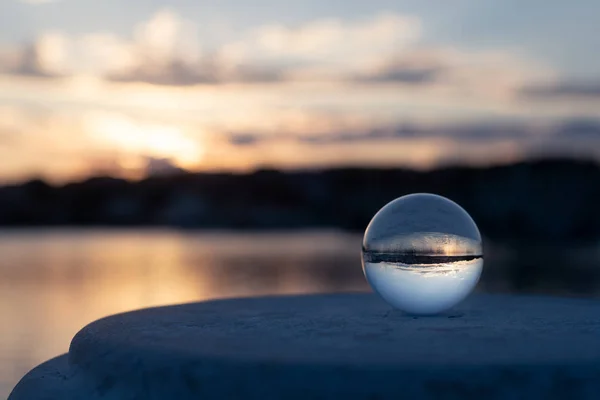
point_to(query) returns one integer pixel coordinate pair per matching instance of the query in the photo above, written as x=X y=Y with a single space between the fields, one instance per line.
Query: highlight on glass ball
x=422 y=253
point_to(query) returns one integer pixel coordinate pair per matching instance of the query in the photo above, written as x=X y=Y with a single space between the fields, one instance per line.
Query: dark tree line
x=544 y=200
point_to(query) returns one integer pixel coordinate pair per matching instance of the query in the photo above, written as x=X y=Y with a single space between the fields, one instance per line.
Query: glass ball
x=422 y=253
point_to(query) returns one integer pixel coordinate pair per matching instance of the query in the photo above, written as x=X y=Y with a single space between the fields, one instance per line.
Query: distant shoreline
x=535 y=201
x=410 y=258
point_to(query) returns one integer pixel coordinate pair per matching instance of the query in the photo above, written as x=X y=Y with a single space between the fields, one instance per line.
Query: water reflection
x=53 y=283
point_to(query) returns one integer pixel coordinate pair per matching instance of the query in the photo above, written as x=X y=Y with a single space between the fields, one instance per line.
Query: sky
x=91 y=87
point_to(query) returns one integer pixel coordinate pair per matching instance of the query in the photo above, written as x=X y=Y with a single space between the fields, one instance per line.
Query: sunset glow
x=130 y=137
x=373 y=87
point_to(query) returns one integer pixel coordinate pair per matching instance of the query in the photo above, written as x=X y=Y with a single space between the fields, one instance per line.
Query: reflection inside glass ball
x=422 y=253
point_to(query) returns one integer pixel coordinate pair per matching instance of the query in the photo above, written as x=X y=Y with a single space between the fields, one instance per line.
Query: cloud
x=166 y=51
x=272 y=53
x=384 y=48
x=29 y=64
x=468 y=133
x=327 y=44
x=176 y=72
x=425 y=146
x=54 y=55
x=171 y=73
x=164 y=42
x=565 y=89
x=400 y=74
x=387 y=48
x=166 y=36
x=68 y=143
x=579 y=129
x=40 y=59
x=422 y=145
x=414 y=66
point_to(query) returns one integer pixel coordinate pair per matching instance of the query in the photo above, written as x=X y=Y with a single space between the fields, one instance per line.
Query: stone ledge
x=328 y=347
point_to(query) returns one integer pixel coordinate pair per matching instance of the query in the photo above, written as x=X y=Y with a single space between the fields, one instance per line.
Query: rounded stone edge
x=51 y=380
x=54 y=380
x=61 y=379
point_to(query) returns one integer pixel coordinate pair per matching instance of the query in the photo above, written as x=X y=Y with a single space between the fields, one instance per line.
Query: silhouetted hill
x=549 y=200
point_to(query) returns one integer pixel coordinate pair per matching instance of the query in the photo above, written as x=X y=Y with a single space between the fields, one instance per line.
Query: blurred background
x=155 y=153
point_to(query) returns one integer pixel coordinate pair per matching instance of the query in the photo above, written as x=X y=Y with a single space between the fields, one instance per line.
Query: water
x=52 y=283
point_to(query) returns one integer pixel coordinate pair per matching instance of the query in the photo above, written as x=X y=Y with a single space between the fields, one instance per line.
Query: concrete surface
x=344 y=346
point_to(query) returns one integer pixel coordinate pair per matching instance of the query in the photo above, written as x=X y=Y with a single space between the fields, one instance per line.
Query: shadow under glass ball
x=422 y=253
